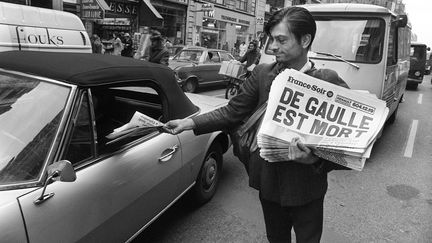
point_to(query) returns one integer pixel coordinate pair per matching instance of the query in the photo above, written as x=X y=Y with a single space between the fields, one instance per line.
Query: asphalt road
x=389 y=201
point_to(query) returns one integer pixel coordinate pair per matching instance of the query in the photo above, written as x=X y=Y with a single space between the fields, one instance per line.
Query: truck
x=38 y=29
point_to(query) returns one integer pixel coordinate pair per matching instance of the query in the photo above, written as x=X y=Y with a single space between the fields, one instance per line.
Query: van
x=417 y=64
x=38 y=29
x=367 y=45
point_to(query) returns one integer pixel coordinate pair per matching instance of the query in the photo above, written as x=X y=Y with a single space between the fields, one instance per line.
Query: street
x=389 y=201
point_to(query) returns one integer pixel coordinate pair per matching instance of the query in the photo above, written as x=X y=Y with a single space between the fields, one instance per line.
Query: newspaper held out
x=138 y=120
x=339 y=124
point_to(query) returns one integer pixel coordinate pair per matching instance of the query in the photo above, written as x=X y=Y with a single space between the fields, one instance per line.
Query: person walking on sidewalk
x=291 y=192
x=157 y=52
x=242 y=49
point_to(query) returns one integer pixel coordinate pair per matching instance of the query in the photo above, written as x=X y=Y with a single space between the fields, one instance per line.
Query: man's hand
x=303 y=154
x=177 y=126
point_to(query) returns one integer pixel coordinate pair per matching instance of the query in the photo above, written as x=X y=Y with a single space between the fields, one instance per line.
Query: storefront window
x=209 y=38
x=174 y=23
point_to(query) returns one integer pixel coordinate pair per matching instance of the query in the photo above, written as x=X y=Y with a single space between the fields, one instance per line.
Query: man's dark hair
x=300 y=22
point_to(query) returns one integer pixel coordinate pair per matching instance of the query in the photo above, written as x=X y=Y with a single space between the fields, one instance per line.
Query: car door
x=115 y=193
x=210 y=68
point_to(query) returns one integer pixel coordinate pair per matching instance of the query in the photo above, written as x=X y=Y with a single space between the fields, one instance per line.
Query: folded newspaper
x=138 y=120
x=339 y=124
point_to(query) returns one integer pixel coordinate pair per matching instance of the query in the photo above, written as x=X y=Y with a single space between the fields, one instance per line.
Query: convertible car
x=64 y=179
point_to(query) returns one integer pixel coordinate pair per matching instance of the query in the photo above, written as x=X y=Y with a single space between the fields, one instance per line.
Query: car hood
x=206 y=103
x=174 y=64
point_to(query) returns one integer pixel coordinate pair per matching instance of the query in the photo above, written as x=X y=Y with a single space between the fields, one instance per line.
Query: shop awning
x=152 y=9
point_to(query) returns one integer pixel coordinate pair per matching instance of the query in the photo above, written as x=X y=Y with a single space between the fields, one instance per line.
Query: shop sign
x=90 y=9
x=209 y=14
x=241 y=21
x=207 y=7
x=228 y=18
x=260 y=20
x=123 y=8
x=232 y=19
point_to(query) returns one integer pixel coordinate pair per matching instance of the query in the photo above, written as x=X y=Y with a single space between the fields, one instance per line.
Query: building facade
x=218 y=23
x=174 y=13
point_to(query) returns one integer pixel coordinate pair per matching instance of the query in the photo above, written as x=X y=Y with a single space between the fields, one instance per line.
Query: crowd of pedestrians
x=156 y=50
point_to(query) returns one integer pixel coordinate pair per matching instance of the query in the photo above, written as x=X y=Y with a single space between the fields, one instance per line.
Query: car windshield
x=188 y=55
x=30 y=114
x=358 y=40
x=418 y=52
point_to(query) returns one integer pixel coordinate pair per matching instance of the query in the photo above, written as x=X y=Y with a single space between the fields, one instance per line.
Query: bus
x=367 y=45
x=417 y=64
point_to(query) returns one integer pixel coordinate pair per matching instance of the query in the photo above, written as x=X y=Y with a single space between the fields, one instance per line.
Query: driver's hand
x=179 y=125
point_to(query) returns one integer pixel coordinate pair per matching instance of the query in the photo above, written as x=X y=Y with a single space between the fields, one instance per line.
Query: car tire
x=208 y=176
x=392 y=118
x=190 y=86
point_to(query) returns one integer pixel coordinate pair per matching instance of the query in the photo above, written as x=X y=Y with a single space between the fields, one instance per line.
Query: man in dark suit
x=291 y=192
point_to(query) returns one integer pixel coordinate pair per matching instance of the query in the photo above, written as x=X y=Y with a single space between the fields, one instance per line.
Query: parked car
x=175 y=49
x=198 y=66
x=63 y=180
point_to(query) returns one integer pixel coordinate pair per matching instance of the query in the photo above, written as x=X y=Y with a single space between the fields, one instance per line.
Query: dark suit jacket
x=288 y=183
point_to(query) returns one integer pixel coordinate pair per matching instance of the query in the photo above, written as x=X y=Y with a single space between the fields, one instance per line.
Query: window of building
x=241 y=5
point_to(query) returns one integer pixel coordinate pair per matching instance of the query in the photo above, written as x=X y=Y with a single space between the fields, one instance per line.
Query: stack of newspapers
x=338 y=124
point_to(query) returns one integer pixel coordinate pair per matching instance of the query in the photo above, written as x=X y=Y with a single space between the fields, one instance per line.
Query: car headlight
x=417 y=73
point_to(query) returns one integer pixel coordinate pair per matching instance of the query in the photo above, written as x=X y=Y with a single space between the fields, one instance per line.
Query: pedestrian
x=242 y=49
x=168 y=44
x=225 y=46
x=96 y=43
x=291 y=192
x=157 y=52
x=117 y=44
x=127 y=46
x=251 y=57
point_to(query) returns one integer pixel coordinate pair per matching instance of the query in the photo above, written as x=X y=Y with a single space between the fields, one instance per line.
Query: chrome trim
x=160 y=213
x=167 y=156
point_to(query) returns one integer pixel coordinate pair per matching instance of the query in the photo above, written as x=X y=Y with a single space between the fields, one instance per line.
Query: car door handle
x=167 y=156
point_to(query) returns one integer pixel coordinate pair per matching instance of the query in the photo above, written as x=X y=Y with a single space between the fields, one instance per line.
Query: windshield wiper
x=337 y=57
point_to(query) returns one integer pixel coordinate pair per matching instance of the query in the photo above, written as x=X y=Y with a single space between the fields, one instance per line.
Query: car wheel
x=190 y=86
x=208 y=176
x=392 y=118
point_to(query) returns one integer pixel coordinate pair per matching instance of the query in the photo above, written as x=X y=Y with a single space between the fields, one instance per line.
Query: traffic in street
x=389 y=201
x=215 y=121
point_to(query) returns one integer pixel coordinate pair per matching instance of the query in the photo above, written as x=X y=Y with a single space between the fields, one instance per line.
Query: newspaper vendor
x=291 y=192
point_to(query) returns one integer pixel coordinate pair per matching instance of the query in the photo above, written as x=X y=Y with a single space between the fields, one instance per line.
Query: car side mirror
x=428 y=49
x=402 y=21
x=58 y=171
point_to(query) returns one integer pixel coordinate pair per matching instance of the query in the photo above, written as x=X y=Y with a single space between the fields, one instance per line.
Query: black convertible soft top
x=87 y=70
